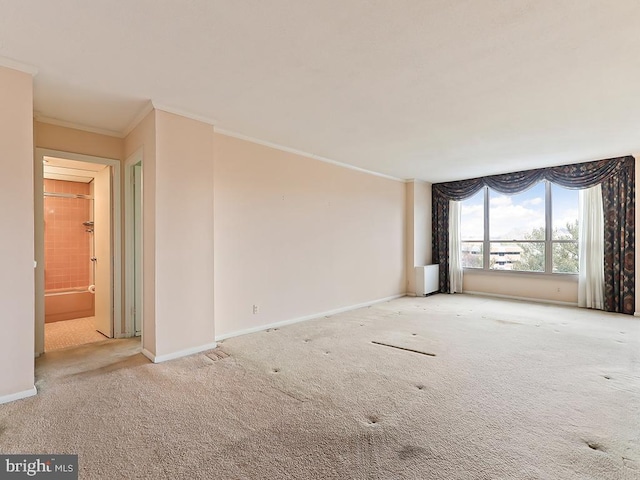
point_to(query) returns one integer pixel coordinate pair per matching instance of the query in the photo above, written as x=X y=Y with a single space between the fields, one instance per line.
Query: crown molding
x=230 y=133
x=184 y=113
x=416 y=180
x=144 y=111
x=151 y=105
x=20 y=66
x=77 y=126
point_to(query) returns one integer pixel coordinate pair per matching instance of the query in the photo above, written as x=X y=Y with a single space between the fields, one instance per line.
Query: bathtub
x=68 y=304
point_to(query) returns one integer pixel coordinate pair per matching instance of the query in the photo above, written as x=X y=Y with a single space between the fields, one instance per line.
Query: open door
x=103 y=254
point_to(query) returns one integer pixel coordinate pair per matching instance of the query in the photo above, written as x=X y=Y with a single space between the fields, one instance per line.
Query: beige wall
x=556 y=288
x=410 y=237
x=143 y=136
x=183 y=234
x=422 y=223
x=16 y=242
x=298 y=237
x=418 y=206
x=72 y=140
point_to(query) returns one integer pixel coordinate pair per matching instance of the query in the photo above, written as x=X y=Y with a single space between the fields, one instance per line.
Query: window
x=472 y=231
x=565 y=230
x=517 y=230
x=531 y=231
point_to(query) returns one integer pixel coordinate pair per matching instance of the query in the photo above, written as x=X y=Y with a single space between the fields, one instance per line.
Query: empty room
x=294 y=239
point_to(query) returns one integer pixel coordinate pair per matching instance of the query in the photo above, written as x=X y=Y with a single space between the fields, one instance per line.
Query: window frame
x=548 y=242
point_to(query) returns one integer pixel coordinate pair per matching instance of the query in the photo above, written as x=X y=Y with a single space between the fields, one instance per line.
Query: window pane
x=472 y=217
x=565 y=257
x=519 y=256
x=472 y=254
x=518 y=217
x=565 y=213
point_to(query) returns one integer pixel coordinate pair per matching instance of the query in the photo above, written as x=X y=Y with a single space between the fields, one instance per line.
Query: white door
x=103 y=254
x=137 y=220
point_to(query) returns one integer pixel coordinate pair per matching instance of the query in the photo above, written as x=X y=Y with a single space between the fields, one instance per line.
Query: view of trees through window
x=521 y=236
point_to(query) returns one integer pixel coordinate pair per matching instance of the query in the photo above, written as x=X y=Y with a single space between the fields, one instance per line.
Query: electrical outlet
x=255 y=309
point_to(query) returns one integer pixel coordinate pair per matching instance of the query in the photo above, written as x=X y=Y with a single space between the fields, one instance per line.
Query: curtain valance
x=576 y=176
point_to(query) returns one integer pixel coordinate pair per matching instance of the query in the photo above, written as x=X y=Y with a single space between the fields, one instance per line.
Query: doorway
x=133 y=194
x=77 y=243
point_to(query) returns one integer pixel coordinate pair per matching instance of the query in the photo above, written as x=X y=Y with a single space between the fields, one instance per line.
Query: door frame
x=116 y=240
x=129 y=245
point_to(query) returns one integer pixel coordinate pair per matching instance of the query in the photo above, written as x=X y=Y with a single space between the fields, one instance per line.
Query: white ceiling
x=429 y=89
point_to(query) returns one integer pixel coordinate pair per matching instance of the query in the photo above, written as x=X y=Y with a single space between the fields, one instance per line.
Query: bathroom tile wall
x=67 y=243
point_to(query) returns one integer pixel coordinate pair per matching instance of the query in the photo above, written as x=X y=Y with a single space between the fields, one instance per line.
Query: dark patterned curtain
x=618 y=201
x=617 y=176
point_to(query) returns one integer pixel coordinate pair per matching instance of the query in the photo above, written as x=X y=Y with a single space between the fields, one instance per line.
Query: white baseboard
x=526 y=299
x=179 y=353
x=18 y=396
x=306 y=317
x=148 y=354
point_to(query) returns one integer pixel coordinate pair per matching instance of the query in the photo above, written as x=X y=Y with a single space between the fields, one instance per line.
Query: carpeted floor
x=514 y=391
x=69 y=333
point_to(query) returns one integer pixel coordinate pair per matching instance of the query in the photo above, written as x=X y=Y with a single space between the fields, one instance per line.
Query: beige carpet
x=70 y=333
x=514 y=391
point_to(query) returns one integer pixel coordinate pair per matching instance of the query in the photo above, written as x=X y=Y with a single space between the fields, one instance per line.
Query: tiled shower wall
x=66 y=242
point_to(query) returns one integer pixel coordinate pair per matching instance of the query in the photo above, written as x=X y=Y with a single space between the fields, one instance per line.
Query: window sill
x=555 y=276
